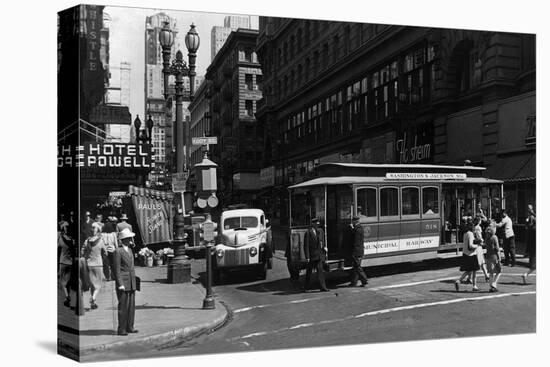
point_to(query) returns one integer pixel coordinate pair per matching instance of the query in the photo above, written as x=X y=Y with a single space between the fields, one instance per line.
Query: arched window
x=299 y=76
x=307 y=69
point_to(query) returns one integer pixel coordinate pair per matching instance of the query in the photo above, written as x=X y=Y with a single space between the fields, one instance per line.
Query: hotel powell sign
x=106 y=155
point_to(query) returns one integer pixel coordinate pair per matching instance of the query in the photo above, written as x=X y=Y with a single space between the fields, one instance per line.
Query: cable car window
x=410 y=201
x=389 y=205
x=366 y=202
x=430 y=201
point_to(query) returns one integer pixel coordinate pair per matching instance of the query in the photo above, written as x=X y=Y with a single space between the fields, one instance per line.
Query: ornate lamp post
x=179 y=69
x=179 y=269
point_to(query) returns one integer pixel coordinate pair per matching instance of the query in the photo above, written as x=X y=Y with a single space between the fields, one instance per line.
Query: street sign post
x=204 y=140
x=179 y=181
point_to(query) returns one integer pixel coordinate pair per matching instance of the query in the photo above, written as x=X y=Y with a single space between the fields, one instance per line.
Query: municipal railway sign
x=204 y=140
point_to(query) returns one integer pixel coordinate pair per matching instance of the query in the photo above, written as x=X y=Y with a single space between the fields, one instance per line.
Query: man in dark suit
x=126 y=286
x=315 y=253
x=358 y=251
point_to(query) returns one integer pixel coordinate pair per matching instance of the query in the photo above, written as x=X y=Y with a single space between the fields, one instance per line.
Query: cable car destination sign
x=105 y=155
x=424 y=176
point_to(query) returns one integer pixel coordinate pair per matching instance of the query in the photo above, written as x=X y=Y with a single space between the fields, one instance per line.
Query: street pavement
x=165 y=313
x=401 y=303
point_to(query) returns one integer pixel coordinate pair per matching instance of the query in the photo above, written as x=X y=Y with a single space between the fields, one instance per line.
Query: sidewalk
x=164 y=313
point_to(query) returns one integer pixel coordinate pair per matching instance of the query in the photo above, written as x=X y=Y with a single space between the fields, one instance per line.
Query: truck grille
x=236 y=257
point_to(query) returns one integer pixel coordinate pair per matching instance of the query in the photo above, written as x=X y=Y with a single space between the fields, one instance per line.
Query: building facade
x=219 y=34
x=353 y=92
x=235 y=80
x=118 y=94
x=199 y=122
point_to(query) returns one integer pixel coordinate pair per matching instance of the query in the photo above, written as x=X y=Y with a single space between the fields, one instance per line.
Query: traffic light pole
x=208 y=233
x=208 y=302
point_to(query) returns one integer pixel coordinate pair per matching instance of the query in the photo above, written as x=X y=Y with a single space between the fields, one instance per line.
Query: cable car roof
x=405 y=166
x=348 y=180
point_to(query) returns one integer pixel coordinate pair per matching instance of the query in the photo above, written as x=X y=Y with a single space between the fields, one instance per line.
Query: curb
x=165 y=338
x=159 y=340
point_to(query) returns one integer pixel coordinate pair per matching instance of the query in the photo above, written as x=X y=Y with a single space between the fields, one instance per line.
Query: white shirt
x=508 y=229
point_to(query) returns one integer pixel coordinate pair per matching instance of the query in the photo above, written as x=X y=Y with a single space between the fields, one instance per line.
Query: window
x=248 y=81
x=249 y=107
x=410 y=201
x=430 y=201
x=366 y=203
x=389 y=205
x=259 y=82
x=353 y=98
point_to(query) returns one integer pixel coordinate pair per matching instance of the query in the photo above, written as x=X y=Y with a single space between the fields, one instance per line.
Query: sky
x=127 y=42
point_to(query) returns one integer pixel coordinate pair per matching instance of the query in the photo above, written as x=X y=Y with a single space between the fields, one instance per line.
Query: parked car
x=243 y=243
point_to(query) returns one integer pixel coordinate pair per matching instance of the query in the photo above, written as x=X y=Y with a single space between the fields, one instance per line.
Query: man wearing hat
x=125 y=278
x=86 y=229
x=358 y=251
x=123 y=224
x=314 y=251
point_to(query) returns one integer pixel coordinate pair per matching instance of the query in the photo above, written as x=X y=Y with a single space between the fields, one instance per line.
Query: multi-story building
x=199 y=122
x=235 y=79
x=236 y=21
x=118 y=94
x=336 y=91
x=219 y=34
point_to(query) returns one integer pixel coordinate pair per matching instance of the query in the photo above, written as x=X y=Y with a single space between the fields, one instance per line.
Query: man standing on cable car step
x=313 y=248
x=357 y=254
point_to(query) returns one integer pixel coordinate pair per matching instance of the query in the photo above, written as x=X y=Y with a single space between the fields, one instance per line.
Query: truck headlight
x=253 y=251
x=220 y=253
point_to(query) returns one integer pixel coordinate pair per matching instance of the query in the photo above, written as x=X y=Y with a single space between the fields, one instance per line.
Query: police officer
x=357 y=253
x=315 y=253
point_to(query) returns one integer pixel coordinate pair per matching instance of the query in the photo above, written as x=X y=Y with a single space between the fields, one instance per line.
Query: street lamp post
x=179 y=69
x=179 y=269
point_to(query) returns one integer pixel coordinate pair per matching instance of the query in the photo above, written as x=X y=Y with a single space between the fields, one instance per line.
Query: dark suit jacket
x=358 y=246
x=124 y=269
x=313 y=243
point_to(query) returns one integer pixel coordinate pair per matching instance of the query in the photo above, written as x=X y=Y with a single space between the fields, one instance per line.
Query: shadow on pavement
x=158 y=280
x=145 y=307
x=97 y=332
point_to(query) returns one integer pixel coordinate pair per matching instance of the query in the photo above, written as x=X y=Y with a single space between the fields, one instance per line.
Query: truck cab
x=243 y=243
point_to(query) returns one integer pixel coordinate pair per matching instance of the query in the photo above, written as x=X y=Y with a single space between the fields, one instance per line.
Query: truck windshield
x=240 y=222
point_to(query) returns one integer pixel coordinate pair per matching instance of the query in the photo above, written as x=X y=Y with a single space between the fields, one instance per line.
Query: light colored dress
x=94 y=248
x=493 y=263
x=478 y=235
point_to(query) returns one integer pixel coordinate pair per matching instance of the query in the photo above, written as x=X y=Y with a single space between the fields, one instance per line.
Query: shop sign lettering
x=413 y=153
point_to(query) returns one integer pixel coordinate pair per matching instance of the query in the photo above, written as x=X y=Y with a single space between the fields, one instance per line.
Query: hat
x=315 y=220
x=124 y=217
x=125 y=233
x=355 y=218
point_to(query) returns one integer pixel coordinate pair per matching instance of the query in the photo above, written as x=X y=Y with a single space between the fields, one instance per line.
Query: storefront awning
x=153 y=213
x=514 y=168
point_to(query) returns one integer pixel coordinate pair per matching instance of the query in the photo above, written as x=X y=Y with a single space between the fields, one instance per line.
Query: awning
x=152 y=210
x=514 y=168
